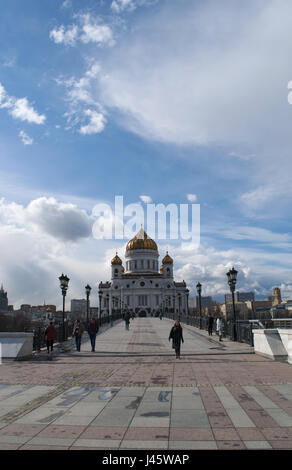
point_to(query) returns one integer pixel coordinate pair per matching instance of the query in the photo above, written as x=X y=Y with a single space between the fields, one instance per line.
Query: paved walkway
x=134 y=394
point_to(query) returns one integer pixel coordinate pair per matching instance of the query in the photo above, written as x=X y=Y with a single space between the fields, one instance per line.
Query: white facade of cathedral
x=141 y=287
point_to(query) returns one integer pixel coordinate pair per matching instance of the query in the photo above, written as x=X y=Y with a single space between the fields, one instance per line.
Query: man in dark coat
x=92 y=330
x=127 y=320
x=210 y=323
x=177 y=337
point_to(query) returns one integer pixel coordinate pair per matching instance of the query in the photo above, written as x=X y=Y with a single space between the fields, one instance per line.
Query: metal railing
x=39 y=341
x=244 y=328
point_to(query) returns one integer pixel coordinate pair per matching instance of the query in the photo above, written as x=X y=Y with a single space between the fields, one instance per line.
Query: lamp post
x=64 y=283
x=199 y=290
x=108 y=305
x=87 y=290
x=100 y=297
x=232 y=276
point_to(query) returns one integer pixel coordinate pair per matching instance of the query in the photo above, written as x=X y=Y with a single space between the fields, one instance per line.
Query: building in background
x=240 y=297
x=205 y=301
x=241 y=310
x=277 y=296
x=3 y=300
x=141 y=287
x=79 y=308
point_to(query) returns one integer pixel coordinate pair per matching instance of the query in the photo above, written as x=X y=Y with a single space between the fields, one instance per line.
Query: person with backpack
x=78 y=331
x=92 y=330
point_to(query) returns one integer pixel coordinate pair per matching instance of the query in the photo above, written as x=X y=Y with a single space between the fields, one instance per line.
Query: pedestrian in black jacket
x=210 y=323
x=92 y=330
x=177 y=337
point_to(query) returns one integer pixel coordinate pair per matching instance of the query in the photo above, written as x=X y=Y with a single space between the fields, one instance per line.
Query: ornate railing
x=243 y=328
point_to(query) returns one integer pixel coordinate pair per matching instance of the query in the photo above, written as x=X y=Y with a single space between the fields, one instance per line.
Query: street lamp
x=108 y=305
x=64 y=282
x=232 y=276
x=87 y=290
x=100 y=296
x=199 y=290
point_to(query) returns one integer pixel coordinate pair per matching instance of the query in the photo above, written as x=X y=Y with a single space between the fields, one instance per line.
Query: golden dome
x=161 y=269
x=123 y=269
x=141 y=242
x=117 y=260
x=167 y=259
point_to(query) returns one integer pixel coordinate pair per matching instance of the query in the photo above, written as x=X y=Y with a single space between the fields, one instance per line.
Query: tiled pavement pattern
x=133 y=394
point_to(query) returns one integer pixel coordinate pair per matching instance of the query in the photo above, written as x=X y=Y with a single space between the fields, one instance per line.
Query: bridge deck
x=133 y=393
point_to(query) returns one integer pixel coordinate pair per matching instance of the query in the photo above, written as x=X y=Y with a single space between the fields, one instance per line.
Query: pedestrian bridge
x=149 y=336
x=132 y=393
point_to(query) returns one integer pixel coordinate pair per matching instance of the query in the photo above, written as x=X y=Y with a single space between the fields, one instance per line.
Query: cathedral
x=141 y=287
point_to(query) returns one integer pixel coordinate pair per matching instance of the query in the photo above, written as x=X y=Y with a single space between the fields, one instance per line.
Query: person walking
x=177 y=338
x=78 y=331
x=161 y=315
x=210 y=323
x=92 y=330
x=50 y=335
x=219 y=328
x=127 y=320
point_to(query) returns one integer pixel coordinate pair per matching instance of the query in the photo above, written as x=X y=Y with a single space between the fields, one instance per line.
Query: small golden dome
x=161 y=269
x=141 y=241
x=123 y=269
x=117 y=260
x=167 y=259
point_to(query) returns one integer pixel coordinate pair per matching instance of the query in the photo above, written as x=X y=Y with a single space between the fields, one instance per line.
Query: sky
x=160 y=101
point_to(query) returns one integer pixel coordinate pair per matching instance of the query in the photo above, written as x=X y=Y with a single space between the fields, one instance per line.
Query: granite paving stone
x=189 y=419
x=61 y=431
x=51 y=441
x=139 y=444
x=106 y=432
x=257 y=445
x=193 y=445
x=98 y=443
x=147 y=434
x=190 y=434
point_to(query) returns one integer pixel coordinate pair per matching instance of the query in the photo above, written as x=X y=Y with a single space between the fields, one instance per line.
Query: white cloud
x=80 y=95
x=25 y=112
x=65 y=36
x=63 y=221
x=2 y=94
x=192 y=197
x=118 y=6
x=66 y=4
x=146 y=199
x=209 y=266
x=26 y=140
x=89 y=29
x=94 y=31
x=20 y=108
x=96 y=123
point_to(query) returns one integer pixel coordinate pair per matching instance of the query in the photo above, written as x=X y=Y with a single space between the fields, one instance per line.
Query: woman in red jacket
x=50 y=335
